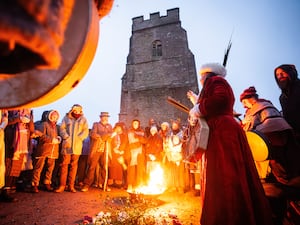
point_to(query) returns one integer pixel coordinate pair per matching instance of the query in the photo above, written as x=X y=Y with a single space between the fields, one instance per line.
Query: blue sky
x=265 y=34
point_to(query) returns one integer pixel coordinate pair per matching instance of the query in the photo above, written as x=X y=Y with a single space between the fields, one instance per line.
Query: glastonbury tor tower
x=159 y=64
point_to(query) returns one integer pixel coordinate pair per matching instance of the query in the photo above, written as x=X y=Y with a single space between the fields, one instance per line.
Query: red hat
x=248 y=93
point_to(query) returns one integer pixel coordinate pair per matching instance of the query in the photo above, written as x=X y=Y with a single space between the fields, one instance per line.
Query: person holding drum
x=262 y=118
x=265 y=119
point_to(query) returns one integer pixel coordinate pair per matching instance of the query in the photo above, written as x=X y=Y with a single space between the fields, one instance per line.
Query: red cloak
x=232 y=193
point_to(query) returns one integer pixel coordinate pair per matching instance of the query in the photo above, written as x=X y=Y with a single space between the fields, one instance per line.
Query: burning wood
x=155 y=186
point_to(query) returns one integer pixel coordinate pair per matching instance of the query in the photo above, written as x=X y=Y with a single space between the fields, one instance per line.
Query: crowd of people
x=68 y=156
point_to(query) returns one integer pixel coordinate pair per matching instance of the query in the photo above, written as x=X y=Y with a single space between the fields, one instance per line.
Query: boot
x=72 y=189
x=85 y=188
x=5 y=197
x=34 y=189
x=60 y=189
x=48 y=187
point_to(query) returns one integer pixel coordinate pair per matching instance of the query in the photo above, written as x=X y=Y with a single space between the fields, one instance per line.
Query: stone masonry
x=159 y=65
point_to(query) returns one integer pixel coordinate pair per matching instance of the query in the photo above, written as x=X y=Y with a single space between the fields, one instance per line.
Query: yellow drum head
x=258 y=146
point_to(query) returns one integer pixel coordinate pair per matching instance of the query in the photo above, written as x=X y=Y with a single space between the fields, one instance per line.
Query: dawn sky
x=265 y=34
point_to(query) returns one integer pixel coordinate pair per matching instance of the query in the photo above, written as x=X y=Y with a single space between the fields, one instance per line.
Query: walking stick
x=106 y=166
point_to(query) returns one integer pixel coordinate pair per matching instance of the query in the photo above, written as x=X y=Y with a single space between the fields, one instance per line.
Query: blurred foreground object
x=46 y=47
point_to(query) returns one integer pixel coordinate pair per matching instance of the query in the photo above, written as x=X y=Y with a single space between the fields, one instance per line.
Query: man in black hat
x=99 y=137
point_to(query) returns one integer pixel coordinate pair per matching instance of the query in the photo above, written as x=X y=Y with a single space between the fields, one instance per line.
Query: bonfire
x=139 y=208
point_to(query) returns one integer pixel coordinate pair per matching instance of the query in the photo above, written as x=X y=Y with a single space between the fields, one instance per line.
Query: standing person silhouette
x=231 y=192
x=286 y=76
x=100 y=135
x=73 y=130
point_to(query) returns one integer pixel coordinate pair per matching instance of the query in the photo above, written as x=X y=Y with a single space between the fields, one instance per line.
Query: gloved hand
x=56 y=140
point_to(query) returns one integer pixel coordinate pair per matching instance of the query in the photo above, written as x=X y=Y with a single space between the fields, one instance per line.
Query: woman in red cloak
x=232 y=193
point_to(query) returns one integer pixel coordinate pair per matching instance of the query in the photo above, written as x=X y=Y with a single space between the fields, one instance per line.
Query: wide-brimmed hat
x=102 y=114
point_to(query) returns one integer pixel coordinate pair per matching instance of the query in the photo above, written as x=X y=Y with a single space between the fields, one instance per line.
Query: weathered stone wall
x=148 y=79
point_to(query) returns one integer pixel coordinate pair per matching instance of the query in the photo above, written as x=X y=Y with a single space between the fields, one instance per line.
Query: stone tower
x=159 y=65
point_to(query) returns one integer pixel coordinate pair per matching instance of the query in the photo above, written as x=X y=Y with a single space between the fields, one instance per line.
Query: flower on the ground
x=132 y=212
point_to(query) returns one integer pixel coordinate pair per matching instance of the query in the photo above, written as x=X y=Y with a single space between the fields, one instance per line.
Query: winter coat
x=73 y=131
x=136 y=142
x=11 y=130
x=264 y=117
x=154 y=146
x=45 y=147
x=99 y=135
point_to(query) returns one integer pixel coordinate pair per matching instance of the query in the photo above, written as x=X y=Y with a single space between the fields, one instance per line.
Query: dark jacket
x=290 y=97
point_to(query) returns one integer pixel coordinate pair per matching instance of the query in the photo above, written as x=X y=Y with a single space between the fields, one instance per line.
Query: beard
x=283 y=84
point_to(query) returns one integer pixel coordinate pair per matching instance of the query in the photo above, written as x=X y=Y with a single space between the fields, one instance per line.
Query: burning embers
x=155 y=186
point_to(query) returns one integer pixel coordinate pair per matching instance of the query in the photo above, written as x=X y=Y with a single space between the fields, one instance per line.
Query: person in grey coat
x=73 y=130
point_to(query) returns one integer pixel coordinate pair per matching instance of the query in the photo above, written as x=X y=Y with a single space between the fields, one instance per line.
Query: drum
x=259 y=145
x=39 y=87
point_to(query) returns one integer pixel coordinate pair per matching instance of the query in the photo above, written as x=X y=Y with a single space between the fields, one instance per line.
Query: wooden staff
x=107 y=146
x=178 y=105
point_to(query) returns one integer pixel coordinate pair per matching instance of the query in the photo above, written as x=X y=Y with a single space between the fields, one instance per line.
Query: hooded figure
x=73 y=130
x=47 y=151
x=287 y=79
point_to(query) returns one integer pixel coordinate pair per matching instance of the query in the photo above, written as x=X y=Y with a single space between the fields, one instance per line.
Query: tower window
x=156 y=48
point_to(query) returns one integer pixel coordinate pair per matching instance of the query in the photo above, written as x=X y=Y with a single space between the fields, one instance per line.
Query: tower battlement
x=138 y=23
x=159 y=64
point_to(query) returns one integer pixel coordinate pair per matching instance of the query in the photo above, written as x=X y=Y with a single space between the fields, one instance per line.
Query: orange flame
x=156 y=184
